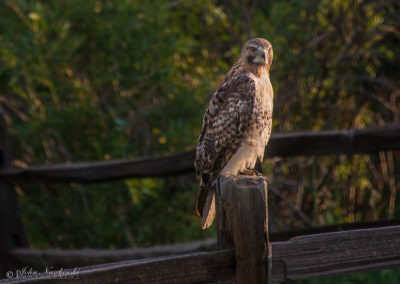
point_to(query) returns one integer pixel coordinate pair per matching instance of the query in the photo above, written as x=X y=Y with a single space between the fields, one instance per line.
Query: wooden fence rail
x=302 y=257
x=282 y=145
x=69 y=258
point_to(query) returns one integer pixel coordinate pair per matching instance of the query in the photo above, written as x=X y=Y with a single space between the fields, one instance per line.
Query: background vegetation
x=88 y=80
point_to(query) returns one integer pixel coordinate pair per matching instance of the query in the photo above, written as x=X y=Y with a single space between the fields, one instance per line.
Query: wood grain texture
x=285 y=236
x=242 y=213
x=339 y=253
x=190 y=268
x=40 y=259
x=303 y=257
x=352 y=141
x=282 y=145
x=104 y=170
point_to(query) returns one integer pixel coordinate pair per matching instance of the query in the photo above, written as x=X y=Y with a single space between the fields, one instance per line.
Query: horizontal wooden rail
x=198 y=267
x=104 y=170
x=339 y=253
x=282 y=145
x=287 y=235
x=41 y=258
x=302 y=257
x=352 y=141
x=70 y=258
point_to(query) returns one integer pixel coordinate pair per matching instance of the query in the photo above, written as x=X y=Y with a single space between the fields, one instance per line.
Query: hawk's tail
x=205 y=206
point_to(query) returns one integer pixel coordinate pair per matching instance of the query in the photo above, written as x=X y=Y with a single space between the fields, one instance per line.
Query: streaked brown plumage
x=237 y=123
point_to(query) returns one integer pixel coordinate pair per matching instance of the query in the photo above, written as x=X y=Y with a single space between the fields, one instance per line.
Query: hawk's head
x=258 y=51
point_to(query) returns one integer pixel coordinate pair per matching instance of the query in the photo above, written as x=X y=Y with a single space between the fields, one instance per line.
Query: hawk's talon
x=250 y=172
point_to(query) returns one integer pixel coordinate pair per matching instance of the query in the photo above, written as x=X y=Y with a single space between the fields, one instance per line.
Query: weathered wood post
x=242 y=223
x=11 y=230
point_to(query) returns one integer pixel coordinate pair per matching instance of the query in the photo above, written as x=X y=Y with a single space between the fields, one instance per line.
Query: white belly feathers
x=253 y=145
x=246 y=156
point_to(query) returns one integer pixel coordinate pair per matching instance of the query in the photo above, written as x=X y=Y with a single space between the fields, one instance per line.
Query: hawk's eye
x=253 y=49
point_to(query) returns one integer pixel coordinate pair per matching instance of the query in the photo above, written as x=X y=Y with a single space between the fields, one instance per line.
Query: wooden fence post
x=242 y=223
x=12 y=233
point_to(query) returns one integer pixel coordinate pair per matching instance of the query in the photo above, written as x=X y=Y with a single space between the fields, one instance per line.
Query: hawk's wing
x=227 y=118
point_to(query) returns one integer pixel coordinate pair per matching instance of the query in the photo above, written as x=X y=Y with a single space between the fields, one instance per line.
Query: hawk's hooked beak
x=261 y=52
x=260 y=56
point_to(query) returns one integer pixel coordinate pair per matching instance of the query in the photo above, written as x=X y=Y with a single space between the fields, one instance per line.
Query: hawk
x=236 y=125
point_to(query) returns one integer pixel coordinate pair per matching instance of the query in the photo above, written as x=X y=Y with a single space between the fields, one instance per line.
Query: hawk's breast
x=253 y=142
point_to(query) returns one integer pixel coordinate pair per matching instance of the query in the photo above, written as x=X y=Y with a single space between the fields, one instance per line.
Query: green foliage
x=94 y=80
x=85 y=80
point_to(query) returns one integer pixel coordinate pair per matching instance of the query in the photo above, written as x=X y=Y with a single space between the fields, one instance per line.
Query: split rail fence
x=244 y=251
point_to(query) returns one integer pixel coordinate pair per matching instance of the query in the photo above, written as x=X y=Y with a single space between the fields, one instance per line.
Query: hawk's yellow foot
x=250 y=172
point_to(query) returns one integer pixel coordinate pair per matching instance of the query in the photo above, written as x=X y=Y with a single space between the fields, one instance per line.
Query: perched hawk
x=237 y=124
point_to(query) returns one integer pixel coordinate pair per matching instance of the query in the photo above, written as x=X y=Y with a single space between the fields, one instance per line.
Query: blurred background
x=86 y=80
